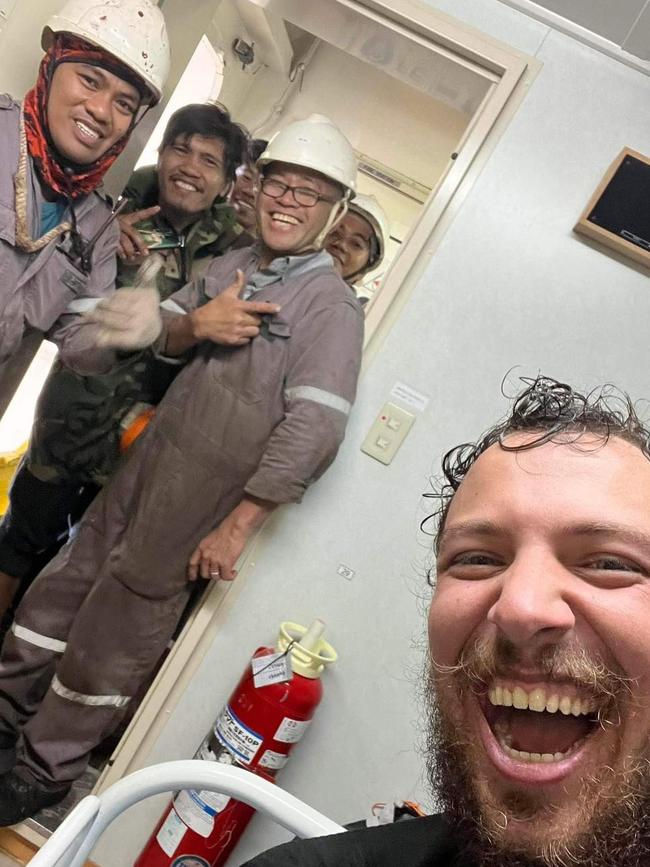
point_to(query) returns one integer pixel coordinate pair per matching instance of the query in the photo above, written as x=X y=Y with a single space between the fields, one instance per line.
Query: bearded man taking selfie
x=539 y=674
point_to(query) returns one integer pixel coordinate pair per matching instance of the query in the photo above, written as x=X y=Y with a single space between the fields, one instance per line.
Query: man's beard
x=611 y=827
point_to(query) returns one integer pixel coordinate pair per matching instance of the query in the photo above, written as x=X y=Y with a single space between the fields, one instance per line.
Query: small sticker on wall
x=409 y=396
x=345 y=571
x=291 y=730
x=171 y=833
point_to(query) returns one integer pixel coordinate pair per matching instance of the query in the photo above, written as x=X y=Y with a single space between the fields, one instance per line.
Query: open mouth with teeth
x=546 y=725
x=185 y=186
x=279 y=217
x=87 y=133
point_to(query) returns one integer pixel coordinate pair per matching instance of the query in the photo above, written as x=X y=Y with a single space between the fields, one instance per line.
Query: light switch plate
x=387 y=433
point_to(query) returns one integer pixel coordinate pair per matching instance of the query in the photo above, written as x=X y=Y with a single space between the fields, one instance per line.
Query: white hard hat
x=132 y=31
x=369 y=208
x=315 y=143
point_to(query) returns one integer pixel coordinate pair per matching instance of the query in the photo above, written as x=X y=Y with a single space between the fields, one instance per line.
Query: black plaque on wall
x=618 y=213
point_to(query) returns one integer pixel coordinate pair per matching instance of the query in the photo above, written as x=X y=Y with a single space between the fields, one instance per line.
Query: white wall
x=510 y=285
x=20 y=42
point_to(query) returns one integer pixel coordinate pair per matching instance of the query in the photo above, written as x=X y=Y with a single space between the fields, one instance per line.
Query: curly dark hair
x=554 y=411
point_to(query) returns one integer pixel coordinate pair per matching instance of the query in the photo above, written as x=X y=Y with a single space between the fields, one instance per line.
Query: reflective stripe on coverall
x=264 y=419
x=35 y=288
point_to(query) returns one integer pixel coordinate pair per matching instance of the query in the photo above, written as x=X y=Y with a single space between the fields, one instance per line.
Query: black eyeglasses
x=304 y=196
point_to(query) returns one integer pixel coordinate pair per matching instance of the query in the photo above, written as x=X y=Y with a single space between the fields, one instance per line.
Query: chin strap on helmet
x=338 y=211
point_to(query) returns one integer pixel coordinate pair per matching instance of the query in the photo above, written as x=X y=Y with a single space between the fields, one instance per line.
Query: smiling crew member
x=242 y=429
x=179 y=208
x=93 y=85
x=179 y=205
x=358 y=243
x=539 y=688
x=245 y=189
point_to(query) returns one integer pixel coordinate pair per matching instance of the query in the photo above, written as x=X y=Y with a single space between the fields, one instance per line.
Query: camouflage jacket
x=188 y=253
x=76 y=431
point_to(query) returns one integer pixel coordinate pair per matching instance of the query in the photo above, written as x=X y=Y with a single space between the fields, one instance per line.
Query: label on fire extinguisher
x=272 y=668
x=273 y=760
x=171 y=833
x=198 y=809
x=291 y=730
x=239 y=739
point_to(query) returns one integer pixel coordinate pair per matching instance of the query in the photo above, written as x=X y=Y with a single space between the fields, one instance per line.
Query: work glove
x=130 y=318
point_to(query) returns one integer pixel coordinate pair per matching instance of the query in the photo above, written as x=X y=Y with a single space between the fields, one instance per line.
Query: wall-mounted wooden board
x=618 y=213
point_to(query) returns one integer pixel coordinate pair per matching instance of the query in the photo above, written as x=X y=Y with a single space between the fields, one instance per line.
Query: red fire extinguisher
x=267 y=714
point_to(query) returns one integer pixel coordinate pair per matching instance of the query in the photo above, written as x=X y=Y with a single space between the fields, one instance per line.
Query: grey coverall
x=36 y=288
x=265 y=419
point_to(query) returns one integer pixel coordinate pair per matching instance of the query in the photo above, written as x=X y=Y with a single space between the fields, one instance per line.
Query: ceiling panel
x=613 y=20
x=639 y=40
x=427 y=67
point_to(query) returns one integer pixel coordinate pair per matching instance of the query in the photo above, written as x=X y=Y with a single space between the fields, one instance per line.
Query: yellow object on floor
x=8 y=464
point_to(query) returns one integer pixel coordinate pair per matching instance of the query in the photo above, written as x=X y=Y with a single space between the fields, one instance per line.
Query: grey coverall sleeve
x=184 y=301
x=189 y=297
x=73 y=334
x=320 y=387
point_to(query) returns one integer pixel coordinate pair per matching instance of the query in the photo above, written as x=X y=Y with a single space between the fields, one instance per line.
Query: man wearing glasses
x=243 y=428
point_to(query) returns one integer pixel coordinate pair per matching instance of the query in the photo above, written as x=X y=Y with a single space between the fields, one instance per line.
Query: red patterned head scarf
x=60 y=175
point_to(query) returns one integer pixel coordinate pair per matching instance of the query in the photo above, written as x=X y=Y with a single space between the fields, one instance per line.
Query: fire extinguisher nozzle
x=310 y=653
x=312 y=637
